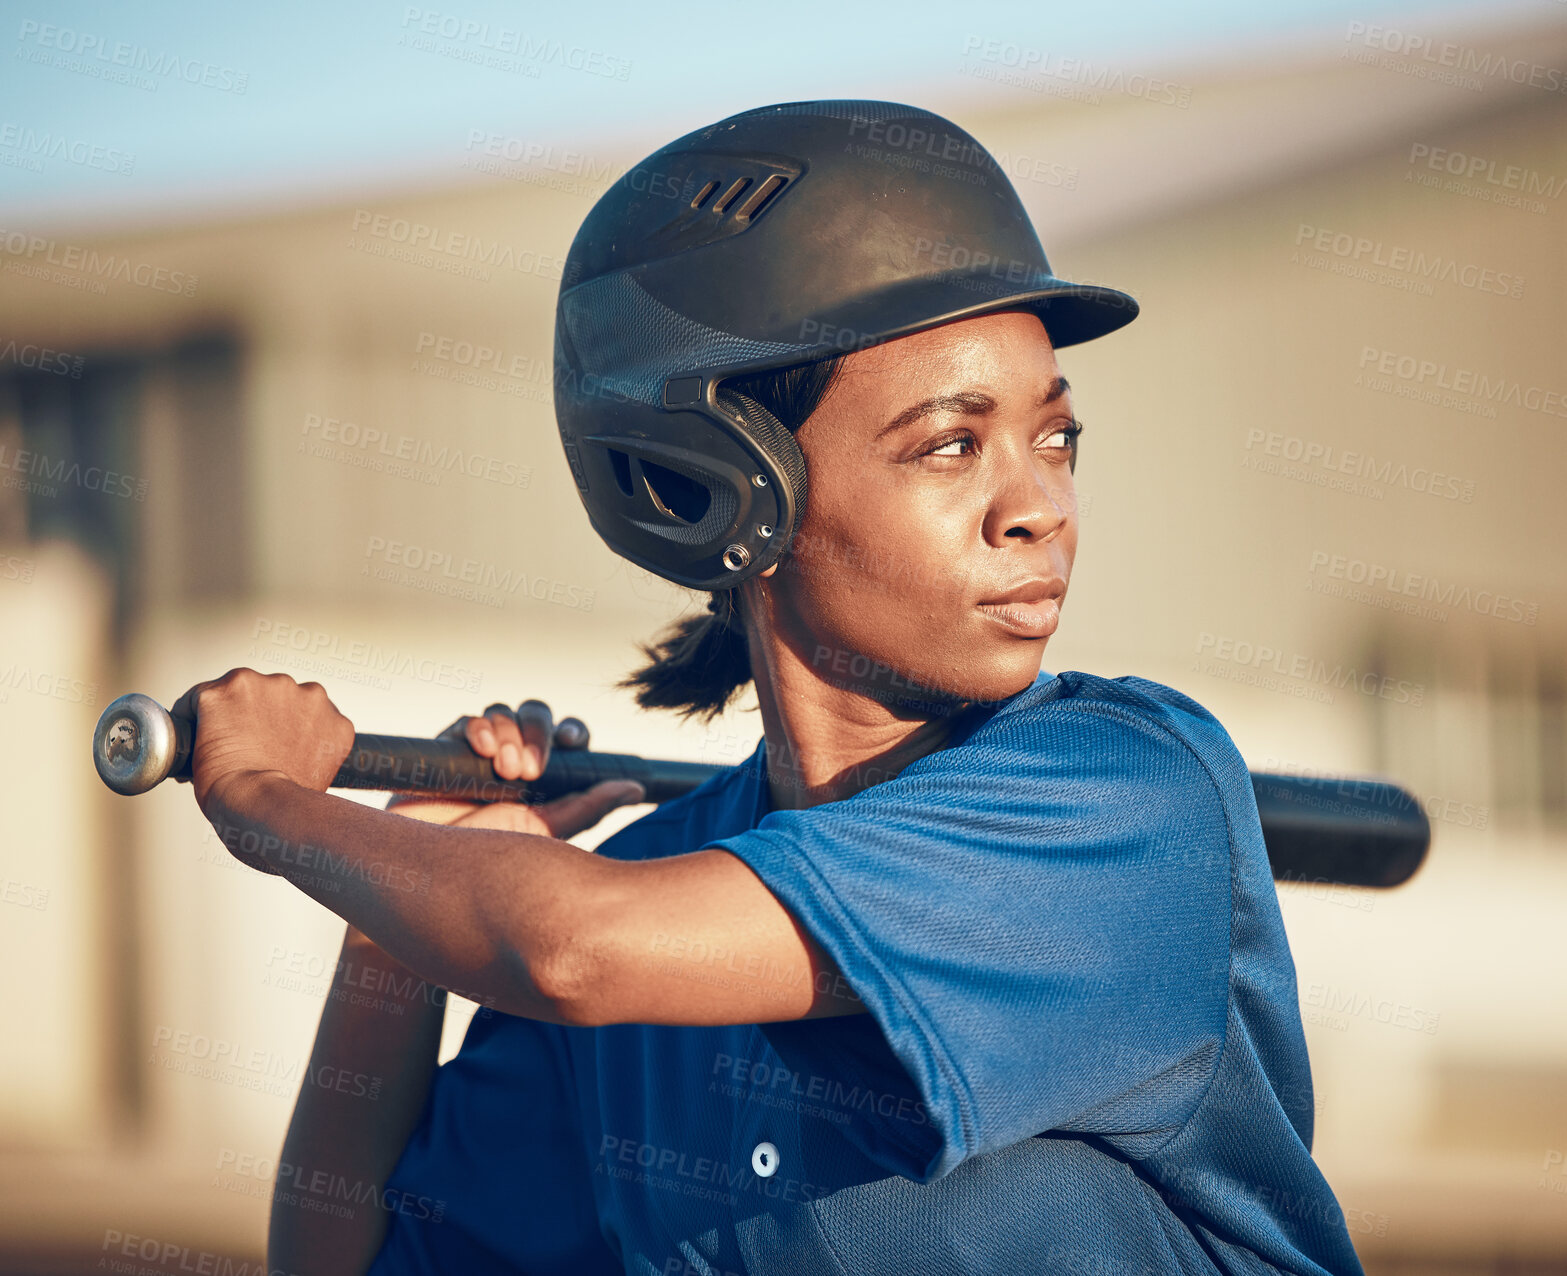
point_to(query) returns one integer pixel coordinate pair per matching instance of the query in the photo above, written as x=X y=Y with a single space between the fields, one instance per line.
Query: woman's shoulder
x=1074 y=688
x=1134 y=717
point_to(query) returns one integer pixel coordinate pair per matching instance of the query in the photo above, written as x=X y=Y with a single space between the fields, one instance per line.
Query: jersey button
x=764 y=1160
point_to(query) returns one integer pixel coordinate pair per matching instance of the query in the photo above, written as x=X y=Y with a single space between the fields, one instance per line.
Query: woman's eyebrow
x=967 y=402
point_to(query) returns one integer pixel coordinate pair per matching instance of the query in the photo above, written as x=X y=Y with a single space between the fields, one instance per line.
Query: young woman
x=969 y=968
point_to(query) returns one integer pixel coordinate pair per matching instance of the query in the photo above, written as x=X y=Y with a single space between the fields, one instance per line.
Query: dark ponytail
x=702 y=661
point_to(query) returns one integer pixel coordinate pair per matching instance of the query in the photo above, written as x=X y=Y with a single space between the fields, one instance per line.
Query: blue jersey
x=1083 y=1051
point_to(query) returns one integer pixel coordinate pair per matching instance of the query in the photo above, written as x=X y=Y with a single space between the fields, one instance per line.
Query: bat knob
x=137 y=744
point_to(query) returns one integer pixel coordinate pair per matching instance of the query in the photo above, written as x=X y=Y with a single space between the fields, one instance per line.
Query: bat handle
x=138 y=744
x=450 y=769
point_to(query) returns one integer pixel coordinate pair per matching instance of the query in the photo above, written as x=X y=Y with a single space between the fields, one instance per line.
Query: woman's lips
x=1029 y=620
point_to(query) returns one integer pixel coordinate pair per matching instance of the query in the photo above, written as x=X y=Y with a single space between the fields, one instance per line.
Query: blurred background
x=276 y=298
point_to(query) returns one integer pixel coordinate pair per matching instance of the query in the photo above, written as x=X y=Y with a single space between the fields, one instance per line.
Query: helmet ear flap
x=774 y=438
x=712 y=501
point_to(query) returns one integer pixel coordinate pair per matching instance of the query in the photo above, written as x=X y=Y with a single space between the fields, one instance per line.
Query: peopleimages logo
x=1366 y=253
x=1335 y=1003
x=95 y=55
x=772 y=1084
x=1359 y=473
x=1076 y=77
x=1398 y=584
x=1479 y=168
x=1259 y=664
x=320 y=1191
x=1444 y=60
x=33 y=253
x=1454 y=386
x=1360 y=788
x=27 y=470
x=42 y=359
x=442 y=573
x=15 y=677
x=496 y=46
x=301 y=647
x=428 y=243
x=39 y=146
x=402 y=455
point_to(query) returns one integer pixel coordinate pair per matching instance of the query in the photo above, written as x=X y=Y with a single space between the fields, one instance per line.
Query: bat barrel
x=1355 y=832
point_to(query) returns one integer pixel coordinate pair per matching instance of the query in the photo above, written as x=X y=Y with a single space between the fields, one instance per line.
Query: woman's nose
x=1034 y=503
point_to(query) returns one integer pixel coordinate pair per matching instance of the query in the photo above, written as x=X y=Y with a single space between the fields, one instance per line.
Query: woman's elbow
x=568 y=983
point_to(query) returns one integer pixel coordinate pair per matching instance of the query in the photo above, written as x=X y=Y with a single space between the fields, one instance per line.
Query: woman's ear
x=768 y=572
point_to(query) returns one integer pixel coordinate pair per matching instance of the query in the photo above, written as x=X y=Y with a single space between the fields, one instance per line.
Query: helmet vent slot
x=675 y=494
x=760 y=197
x=702 y=195
x=730 y=195
x=621 y=464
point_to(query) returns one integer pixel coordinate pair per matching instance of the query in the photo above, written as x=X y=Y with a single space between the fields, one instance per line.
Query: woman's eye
x=1063 y=440
x=944 y=449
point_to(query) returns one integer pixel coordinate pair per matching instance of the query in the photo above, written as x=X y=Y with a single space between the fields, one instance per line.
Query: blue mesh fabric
x=1083 y=1052
x=627 y=336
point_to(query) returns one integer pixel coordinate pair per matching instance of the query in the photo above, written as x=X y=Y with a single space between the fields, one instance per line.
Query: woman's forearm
x=484 y=912
x=369 y=1076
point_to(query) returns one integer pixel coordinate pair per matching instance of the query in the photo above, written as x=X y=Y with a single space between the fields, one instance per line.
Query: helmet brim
x=1071 y=312
x=1074 y=313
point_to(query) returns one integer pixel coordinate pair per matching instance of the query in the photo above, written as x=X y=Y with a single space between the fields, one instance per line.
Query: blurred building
x=1320 y=495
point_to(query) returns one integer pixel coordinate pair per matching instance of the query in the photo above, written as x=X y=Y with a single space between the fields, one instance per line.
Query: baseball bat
x=1340 y=831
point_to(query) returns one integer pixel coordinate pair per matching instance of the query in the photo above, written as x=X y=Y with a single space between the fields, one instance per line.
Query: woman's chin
x=999 y=678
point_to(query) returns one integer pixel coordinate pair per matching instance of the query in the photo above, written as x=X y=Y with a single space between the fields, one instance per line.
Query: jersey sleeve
x=1038 y=922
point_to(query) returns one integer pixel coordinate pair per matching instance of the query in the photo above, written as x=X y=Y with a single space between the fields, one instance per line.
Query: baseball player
x=969 y=967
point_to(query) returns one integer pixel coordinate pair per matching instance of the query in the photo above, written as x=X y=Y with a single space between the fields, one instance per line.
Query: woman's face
x=941 y=521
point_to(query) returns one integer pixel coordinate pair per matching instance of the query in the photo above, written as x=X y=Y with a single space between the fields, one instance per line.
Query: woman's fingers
x=519 y=746
x=519 y=742
x=185 y=706
x=569 y=815
x=537 y=725
x=495 y=736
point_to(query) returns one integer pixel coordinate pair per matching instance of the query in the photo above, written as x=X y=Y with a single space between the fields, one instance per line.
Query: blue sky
x=287 y=103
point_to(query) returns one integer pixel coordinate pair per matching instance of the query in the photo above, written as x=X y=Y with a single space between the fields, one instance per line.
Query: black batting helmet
x=774 y=237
